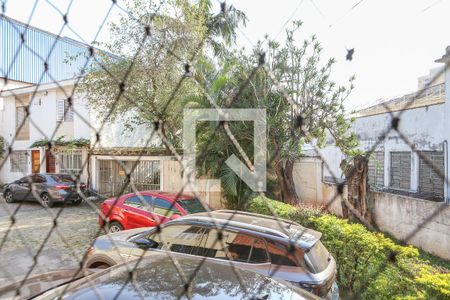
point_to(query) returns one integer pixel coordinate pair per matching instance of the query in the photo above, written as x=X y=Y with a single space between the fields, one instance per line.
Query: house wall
x=402 y=216
x=425 y=129
x=115 y=133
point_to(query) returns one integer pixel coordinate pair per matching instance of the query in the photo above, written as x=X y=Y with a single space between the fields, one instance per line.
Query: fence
x=158 y=43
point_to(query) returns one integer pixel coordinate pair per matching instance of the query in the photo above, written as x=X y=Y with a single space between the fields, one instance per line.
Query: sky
x=395 y=42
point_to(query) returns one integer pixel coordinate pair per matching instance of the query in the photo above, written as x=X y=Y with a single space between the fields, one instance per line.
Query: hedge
x=370 y=265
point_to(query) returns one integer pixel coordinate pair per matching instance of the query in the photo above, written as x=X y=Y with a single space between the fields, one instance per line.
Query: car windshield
x=62 y=178
x=318 y=257
x=192 y=205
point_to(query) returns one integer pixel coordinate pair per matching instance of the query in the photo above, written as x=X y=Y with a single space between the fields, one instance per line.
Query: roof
x=446 y=57
x=38 y=88
x=166 y=195
x=277 y=227
x=25 y=61
x=432 y=95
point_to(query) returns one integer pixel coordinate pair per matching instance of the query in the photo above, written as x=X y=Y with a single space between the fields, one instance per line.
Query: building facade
x=38 y=76
x=412 y=160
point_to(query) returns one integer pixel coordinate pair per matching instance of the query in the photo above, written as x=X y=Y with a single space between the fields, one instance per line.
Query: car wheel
x=47 y=201
x=114 y=227
x=9 y=197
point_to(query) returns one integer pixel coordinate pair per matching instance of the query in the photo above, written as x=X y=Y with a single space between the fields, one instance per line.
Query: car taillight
x=62 y=187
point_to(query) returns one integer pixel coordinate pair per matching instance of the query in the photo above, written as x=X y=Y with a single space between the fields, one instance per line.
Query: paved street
x=64 y=247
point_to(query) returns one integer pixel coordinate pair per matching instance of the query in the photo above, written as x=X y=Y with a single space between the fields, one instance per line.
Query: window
x=192 y=206
x=179 y=238
x=376 y=169
x=318 y=257
x=259 y=254
x=136 y=201
x=63 y=107
x=37 y=179
x=430 y=183
x=133 y=201
x=279 y=255
x=234 y=246
x=164 y=208
x=22 y=123
x=400 y=170
x=19 y=161
x=25 y=179
x=70 y=162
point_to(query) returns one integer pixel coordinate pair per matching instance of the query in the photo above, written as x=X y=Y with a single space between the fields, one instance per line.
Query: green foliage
x=149 y=78
x=70 y=144
x=370 y=265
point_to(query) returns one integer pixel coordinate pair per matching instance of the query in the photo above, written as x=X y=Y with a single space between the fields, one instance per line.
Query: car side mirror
x=175 y=216
x=145 y=243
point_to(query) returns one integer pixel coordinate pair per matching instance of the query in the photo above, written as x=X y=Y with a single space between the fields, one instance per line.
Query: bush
x=370 y=265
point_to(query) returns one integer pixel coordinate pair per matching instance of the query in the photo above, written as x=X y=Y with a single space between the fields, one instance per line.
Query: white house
x=45 y=105
x=43 y=90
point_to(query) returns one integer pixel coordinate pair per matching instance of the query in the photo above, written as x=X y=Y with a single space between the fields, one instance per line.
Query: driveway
x=34 y=234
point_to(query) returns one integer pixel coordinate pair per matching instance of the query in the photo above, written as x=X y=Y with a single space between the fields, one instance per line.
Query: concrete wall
x=311 y=187
x=401 y=216
x=116 y=134
x=173 y=182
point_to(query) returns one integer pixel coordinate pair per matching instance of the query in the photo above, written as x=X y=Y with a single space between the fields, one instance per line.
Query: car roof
x=276 y=227
x=158 y=276
x=165 y=195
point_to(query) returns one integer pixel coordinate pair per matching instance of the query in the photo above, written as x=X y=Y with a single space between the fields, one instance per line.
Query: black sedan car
x=44 y=188
x=159 y=276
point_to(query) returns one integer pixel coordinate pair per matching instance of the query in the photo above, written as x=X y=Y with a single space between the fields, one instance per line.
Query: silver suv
x=273 y=247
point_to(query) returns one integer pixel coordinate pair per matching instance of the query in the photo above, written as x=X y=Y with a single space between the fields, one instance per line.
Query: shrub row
x=370 y=265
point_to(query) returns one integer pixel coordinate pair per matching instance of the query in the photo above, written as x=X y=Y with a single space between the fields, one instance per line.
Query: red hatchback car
x=147 y=209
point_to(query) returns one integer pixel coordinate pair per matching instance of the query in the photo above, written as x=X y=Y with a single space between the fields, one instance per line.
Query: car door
x=163 y=209
x=37 y=185
x=22 y=189
x=136 y=212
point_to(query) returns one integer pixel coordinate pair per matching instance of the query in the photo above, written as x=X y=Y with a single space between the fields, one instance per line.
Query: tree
x=303 y=106
x=153 y=46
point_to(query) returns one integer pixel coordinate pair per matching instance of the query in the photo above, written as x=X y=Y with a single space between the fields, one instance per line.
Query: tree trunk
x=284 y=171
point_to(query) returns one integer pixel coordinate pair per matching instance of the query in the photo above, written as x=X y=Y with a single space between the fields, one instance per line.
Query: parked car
x=157 y=277
x=267 y=245
x=146 y=209
x=46 y=188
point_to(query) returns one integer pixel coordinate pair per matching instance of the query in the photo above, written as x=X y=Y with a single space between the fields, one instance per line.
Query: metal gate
x=112 y=176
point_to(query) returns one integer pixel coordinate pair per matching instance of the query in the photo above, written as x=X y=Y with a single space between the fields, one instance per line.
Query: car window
x=164 y=208
x=38 y=179
x=25 y=179
x=192 y=206
x=133 y=201
x=318 y=257
x=62 y=178
x=137 y=201
x=234 y=246
x=259 y=252
x=179 y=238
x=280 y=255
